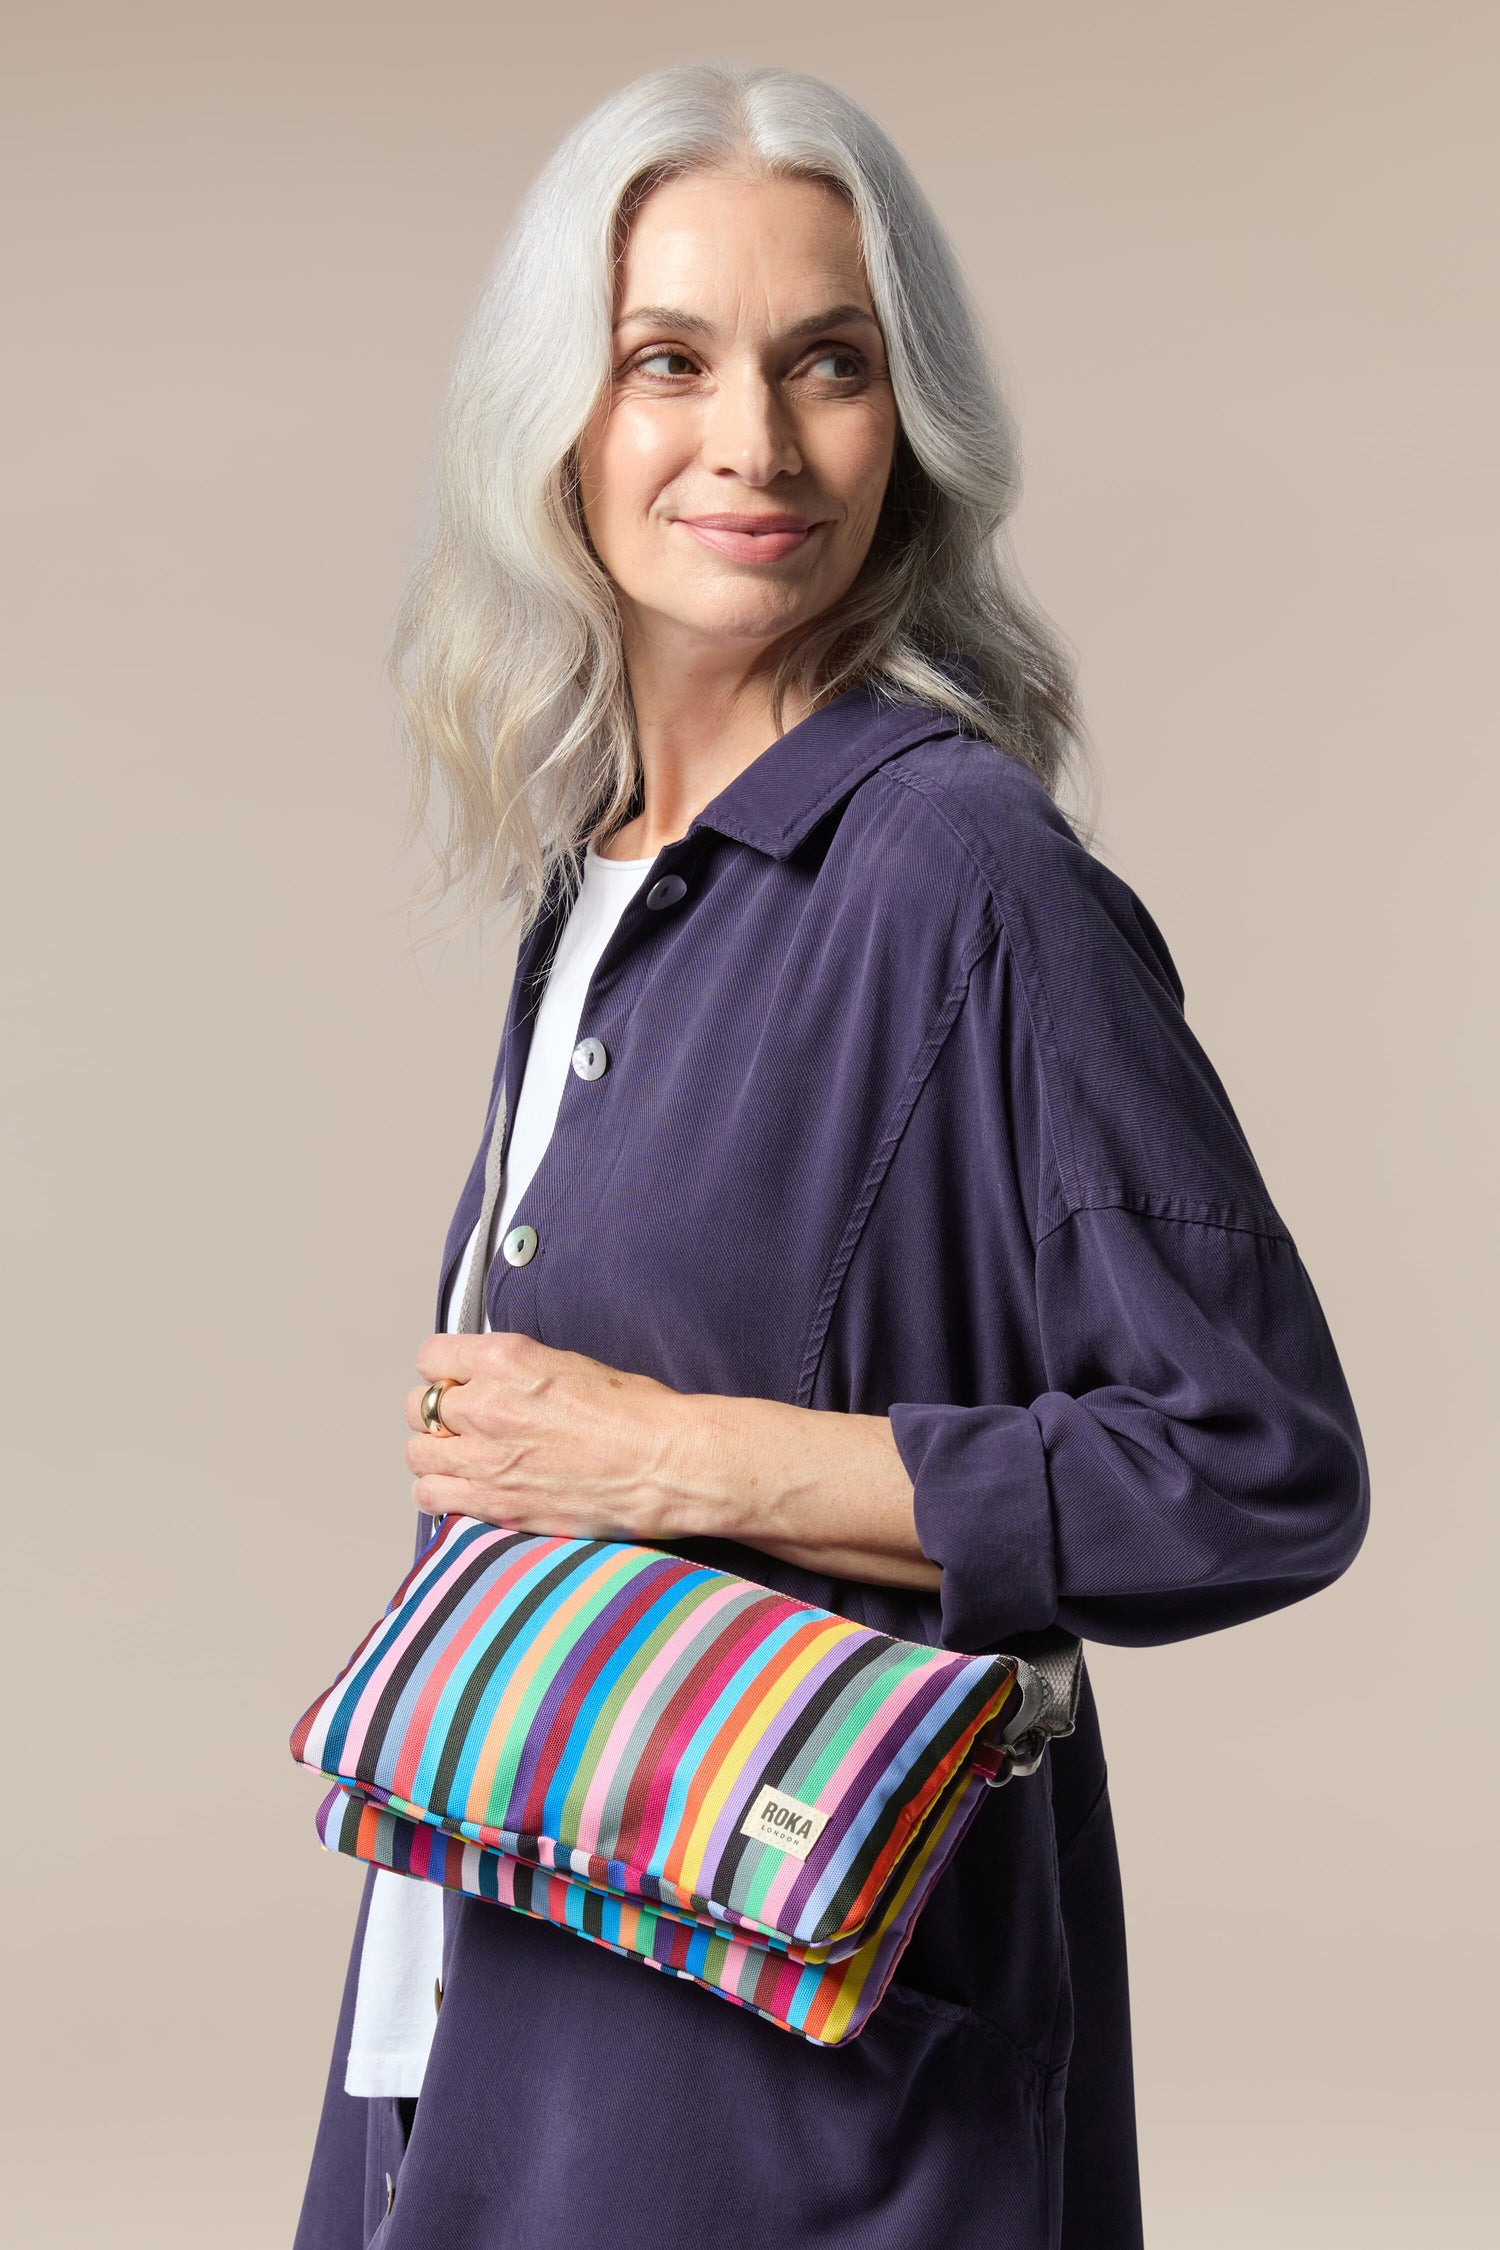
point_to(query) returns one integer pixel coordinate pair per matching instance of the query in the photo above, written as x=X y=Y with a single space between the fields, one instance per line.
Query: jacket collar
x=781 y=794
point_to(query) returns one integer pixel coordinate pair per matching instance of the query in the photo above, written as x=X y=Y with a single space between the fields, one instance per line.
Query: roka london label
x=775 y=1818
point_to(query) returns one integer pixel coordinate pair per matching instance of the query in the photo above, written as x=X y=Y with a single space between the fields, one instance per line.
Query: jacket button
x=437 y=1994
x=520 y=1245
x=390 y=2194
x=590 y=1058
x=666 y=891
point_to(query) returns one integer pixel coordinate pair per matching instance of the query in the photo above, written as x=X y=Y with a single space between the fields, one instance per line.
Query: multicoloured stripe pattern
x=579 y=1729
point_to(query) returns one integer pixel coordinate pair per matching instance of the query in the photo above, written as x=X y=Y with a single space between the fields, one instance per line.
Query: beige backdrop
x=1234 y=258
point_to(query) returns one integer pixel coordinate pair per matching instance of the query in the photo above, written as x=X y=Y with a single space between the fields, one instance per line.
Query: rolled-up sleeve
x=1195 y=1462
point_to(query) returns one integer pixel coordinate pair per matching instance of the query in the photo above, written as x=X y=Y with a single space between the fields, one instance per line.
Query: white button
x=666 y=891
x=520 y=1245
x=590 y=1058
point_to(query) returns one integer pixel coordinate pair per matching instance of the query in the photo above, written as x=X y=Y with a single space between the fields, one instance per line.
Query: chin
x=738 y=622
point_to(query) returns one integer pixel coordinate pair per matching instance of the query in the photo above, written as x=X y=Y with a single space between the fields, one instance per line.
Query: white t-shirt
x=402 y=1958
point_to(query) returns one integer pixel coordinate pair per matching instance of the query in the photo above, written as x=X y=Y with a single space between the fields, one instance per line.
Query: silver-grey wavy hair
x=507 y=658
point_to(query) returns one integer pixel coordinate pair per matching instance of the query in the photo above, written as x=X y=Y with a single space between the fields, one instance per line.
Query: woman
x=872 y=1223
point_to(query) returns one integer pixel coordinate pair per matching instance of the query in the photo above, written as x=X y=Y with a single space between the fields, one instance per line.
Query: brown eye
x=663 y=351
x=853 y=362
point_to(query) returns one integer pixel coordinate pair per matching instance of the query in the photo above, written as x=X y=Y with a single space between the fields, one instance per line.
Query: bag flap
x=664 y=1731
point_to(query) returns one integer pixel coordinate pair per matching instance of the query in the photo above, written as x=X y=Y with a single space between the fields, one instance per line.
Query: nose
x=750 y=430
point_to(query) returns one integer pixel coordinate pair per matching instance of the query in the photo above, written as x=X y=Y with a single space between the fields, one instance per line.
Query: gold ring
x=432 y=1407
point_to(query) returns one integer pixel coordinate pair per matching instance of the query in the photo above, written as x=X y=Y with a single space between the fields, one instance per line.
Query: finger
x=445 y=1496
x=457 y=1356
x=501 y=1350
x=455 y=1496
x=437 y=1456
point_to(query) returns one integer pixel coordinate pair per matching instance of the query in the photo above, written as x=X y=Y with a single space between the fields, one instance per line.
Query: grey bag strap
x=471 y=1311
x=471 y=1308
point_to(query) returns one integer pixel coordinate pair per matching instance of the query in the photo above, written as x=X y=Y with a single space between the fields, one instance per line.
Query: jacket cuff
x=983 y=1514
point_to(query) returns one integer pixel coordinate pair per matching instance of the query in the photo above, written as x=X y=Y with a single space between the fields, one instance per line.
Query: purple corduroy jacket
x=902 y=1114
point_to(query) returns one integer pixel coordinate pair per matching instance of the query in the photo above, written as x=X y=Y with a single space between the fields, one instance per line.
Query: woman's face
x=733 y=472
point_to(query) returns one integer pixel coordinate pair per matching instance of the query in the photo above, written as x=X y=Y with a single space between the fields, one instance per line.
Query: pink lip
x=751 y=538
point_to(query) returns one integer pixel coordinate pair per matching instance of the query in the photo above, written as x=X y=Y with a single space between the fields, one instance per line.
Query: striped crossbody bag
x=671 y=1760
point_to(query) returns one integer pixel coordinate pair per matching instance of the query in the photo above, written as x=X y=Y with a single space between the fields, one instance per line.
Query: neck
x=702 y=715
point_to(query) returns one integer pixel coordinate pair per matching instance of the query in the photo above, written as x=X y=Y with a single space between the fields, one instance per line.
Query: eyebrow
x=693 y=324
